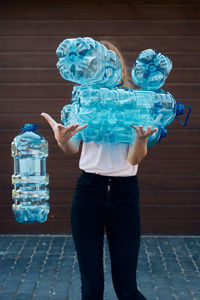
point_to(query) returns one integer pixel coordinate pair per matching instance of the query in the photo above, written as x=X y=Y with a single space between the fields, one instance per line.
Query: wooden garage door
x=30 y=83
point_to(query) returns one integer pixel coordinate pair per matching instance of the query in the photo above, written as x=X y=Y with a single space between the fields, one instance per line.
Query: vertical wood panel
x=30 y=32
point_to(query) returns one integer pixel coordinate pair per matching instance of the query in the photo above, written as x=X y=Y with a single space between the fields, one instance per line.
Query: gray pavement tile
x=7 y=296
x=75 y=286
x=73 y=296
x=161 y=280
x=182 y=292
x=46 y=266
x=63 y=297
x=24 y=296
x=165 y=293
x=41 y=297
x=26 y=287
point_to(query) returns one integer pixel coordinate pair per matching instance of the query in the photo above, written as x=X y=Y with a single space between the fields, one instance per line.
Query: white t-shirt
x=106 y=159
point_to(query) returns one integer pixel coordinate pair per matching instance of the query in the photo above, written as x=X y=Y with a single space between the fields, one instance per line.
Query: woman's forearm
x=69 y=147
x=137 y=151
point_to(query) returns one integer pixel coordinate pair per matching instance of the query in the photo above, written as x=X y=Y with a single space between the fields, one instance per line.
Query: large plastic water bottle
x=151 y=69
x=29 y=150
x=156 y=136
x=86 y=61
x=110 y=112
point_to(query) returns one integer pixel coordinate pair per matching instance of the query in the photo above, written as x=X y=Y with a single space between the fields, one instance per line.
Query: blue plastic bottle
x=110 y=112
x=156 y=136
x=151 y=69
x=29 y=150
x=86 y=61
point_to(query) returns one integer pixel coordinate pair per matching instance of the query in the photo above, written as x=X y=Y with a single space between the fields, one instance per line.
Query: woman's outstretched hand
x=138 y=150
x=141 y=133
x=62 y=133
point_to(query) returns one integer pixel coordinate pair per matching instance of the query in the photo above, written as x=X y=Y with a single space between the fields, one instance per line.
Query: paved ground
x=41 y=267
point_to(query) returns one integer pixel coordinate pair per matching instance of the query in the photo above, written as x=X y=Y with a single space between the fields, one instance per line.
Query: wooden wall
x=30 y=32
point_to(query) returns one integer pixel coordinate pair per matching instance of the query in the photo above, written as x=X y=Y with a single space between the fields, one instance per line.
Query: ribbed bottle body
x=30 y=180
x=110 y=112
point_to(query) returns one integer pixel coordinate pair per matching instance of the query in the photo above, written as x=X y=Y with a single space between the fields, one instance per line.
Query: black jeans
x=112 y=203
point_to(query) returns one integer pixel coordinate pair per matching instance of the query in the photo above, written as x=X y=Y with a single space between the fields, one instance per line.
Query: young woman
x=106 y=197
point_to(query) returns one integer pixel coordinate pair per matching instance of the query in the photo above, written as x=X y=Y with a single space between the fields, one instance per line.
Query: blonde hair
x=124 y=74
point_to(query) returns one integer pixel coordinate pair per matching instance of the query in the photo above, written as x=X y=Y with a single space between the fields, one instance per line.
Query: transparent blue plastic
x=86 y=61
x=110 y=113
x=108 y=109
x=29 y=150
x=151 y=69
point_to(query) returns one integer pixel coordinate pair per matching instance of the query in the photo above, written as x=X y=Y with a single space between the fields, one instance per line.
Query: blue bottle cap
x=163 y=133
x=179 y=108
x=30 y=127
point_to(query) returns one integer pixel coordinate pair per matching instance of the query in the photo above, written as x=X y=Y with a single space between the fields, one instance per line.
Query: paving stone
x=75 y=286
x=27 y=287
x=149 y=294
x=7 y=296
x=161 y=280
x=178 y=281
x=24 y=296
x=165 y=293
x=41 y=297
x=60 y=285
x=73 y=296
x=182 y=292
x=110 y=296
x=44 y=267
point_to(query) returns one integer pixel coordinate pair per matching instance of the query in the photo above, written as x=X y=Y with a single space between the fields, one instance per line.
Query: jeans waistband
x=114 y=179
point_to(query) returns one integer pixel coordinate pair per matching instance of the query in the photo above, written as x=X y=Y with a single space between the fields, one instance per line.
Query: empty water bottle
x=110 y=112
x=29 y=150
x=156 y=136
x=151 y=69
x=86 y=61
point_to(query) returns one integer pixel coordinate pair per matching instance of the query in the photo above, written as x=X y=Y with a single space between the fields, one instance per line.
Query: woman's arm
x=63 y=134
x=138 y=150
x=69 y=147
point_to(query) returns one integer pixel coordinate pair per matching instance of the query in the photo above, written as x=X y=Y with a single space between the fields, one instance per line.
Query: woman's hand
x=138 y=150
x=62 y=133
x=141 y=133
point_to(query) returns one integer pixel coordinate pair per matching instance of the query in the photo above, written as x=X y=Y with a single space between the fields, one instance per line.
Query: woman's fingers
x=76 y=128
x=141 y=129
x=144 y=133
x=71 y=129
x=81 y=127
x=151 y=131
x=49 y=119
x=154 y=130
x=134 y=127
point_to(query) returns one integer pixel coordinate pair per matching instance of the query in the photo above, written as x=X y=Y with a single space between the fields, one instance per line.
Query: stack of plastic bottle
x=86 y=61
x=110 y=110
x=30 y=194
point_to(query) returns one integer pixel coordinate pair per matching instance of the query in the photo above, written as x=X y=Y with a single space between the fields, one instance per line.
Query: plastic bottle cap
x=30 y=127
x=152 y=68
x=163 y=133
x=179 y=108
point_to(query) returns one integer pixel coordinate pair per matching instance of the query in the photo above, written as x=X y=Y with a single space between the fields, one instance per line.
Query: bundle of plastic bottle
x=86 y=61
x=29 y=150
x=110 y=110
